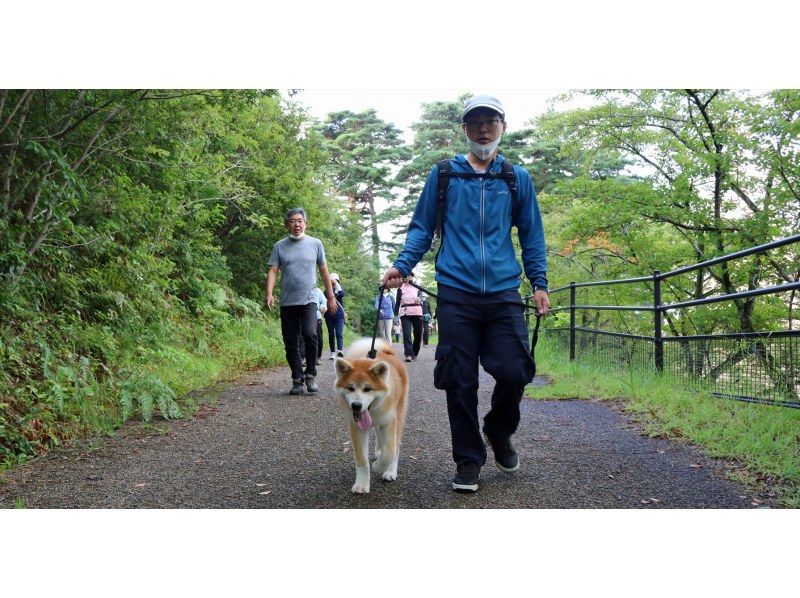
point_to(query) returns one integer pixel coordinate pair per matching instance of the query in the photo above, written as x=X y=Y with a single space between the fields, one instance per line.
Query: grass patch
x=764 y=439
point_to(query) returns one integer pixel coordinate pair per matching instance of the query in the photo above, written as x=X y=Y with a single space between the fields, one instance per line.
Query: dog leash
x=535 y=339
x=372 y=352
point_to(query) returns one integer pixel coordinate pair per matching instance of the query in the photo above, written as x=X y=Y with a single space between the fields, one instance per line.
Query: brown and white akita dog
x=374 y=394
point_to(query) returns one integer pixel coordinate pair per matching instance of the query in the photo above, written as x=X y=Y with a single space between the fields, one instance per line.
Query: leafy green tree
x=707 y=183
x=713 y=174
x=362 y=150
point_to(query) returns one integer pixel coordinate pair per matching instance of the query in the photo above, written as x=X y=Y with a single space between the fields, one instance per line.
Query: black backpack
x=445 y=172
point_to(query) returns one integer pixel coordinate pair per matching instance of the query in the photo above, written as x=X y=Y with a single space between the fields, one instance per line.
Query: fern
x=126 y=401
x=146 y=406
x=147 y=391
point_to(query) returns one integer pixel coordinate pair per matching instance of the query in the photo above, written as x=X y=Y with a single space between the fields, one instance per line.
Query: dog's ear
x=380 y=369
x=342 y=366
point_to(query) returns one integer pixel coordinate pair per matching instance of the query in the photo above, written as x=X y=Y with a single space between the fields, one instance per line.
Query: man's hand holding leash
x=392 y=279
x=542 y=301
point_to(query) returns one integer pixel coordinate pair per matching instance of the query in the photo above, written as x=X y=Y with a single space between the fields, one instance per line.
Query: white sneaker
x=333 y=355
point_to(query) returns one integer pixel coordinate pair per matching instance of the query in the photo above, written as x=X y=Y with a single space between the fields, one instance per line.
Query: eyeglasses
x=474 y=125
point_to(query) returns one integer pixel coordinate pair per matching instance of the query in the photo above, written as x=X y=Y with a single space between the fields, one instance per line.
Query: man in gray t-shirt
x=297 y=257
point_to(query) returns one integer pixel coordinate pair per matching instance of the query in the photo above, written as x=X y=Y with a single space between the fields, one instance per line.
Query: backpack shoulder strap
x=445 y=171
x=510 y=178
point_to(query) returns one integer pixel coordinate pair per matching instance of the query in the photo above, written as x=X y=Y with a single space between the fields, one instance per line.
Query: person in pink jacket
x=409 y=307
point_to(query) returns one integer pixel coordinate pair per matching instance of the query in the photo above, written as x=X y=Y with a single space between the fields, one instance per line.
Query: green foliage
x=147 y=391
x=362 y=149
x=135 y=227
x=705 y=176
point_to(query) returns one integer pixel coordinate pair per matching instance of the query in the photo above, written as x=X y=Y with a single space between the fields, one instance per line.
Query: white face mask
x=297 y=237
x=483 y=151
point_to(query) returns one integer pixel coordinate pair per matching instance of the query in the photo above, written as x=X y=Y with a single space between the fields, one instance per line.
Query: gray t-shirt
x=298 y=261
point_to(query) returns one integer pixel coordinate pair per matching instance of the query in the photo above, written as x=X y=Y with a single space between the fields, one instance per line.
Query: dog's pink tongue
x=364 y=421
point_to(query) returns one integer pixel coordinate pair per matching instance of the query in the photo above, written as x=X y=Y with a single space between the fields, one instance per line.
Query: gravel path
x=259 y=447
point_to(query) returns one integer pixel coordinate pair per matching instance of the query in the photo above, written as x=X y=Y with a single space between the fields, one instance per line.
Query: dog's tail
x=362 y=346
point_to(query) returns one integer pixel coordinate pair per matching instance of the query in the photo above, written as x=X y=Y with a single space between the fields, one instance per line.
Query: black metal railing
x=756 y=367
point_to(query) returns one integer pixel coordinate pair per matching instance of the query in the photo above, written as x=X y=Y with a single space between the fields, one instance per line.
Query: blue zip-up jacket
x=477 y=255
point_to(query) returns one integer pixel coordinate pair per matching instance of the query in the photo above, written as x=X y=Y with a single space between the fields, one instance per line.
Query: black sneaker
x=311 y=384
x=505 y=457
x=466 y=479
x=297 y=387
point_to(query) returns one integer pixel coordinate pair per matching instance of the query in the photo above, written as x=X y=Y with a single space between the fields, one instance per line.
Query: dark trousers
x=319 y=341
x=490 y=330
x=411 y=324
x=335 y=332
x=297 y=321
x=426 y=331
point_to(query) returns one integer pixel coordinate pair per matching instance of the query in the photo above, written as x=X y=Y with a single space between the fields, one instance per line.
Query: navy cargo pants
x=489 y=329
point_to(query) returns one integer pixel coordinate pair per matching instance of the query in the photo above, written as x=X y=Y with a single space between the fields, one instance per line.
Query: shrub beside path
x=256 y=446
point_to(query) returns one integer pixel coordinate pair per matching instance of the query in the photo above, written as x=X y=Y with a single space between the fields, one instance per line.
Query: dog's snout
x=356 y=405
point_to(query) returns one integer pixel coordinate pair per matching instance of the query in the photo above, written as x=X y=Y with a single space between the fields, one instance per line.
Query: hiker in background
x=321 y=309
x=386 y=315
x=410 y=310
x=474 y=204
x=426 y=318
x=335 y=320
x=397 y=330
x=296 y=257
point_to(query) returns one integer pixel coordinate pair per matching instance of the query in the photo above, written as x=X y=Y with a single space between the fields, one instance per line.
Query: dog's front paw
x=389 y=476
x=360 y=488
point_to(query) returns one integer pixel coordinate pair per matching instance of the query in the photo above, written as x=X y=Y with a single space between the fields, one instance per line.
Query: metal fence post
x=572 y=321
x=659 y=344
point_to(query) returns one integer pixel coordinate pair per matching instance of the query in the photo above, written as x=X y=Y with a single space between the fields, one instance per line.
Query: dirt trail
x=259 y=447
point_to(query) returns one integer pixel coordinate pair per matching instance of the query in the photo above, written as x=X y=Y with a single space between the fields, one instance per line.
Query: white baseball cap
x=334 y=276
x=482 y=101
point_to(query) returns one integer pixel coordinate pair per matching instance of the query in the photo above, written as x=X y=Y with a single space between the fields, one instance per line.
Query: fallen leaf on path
x=695 y=465
x=140 y=485
x=413 y=457
x=611 y=476
x=660 y=451
x=267 y=492
x=654 y=499
x=260 y=485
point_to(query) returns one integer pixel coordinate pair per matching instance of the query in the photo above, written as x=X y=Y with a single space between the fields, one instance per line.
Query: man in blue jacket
x=480 y=312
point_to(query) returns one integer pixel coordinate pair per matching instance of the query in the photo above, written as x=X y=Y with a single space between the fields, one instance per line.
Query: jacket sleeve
x=530 y=230
x=421 y=227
